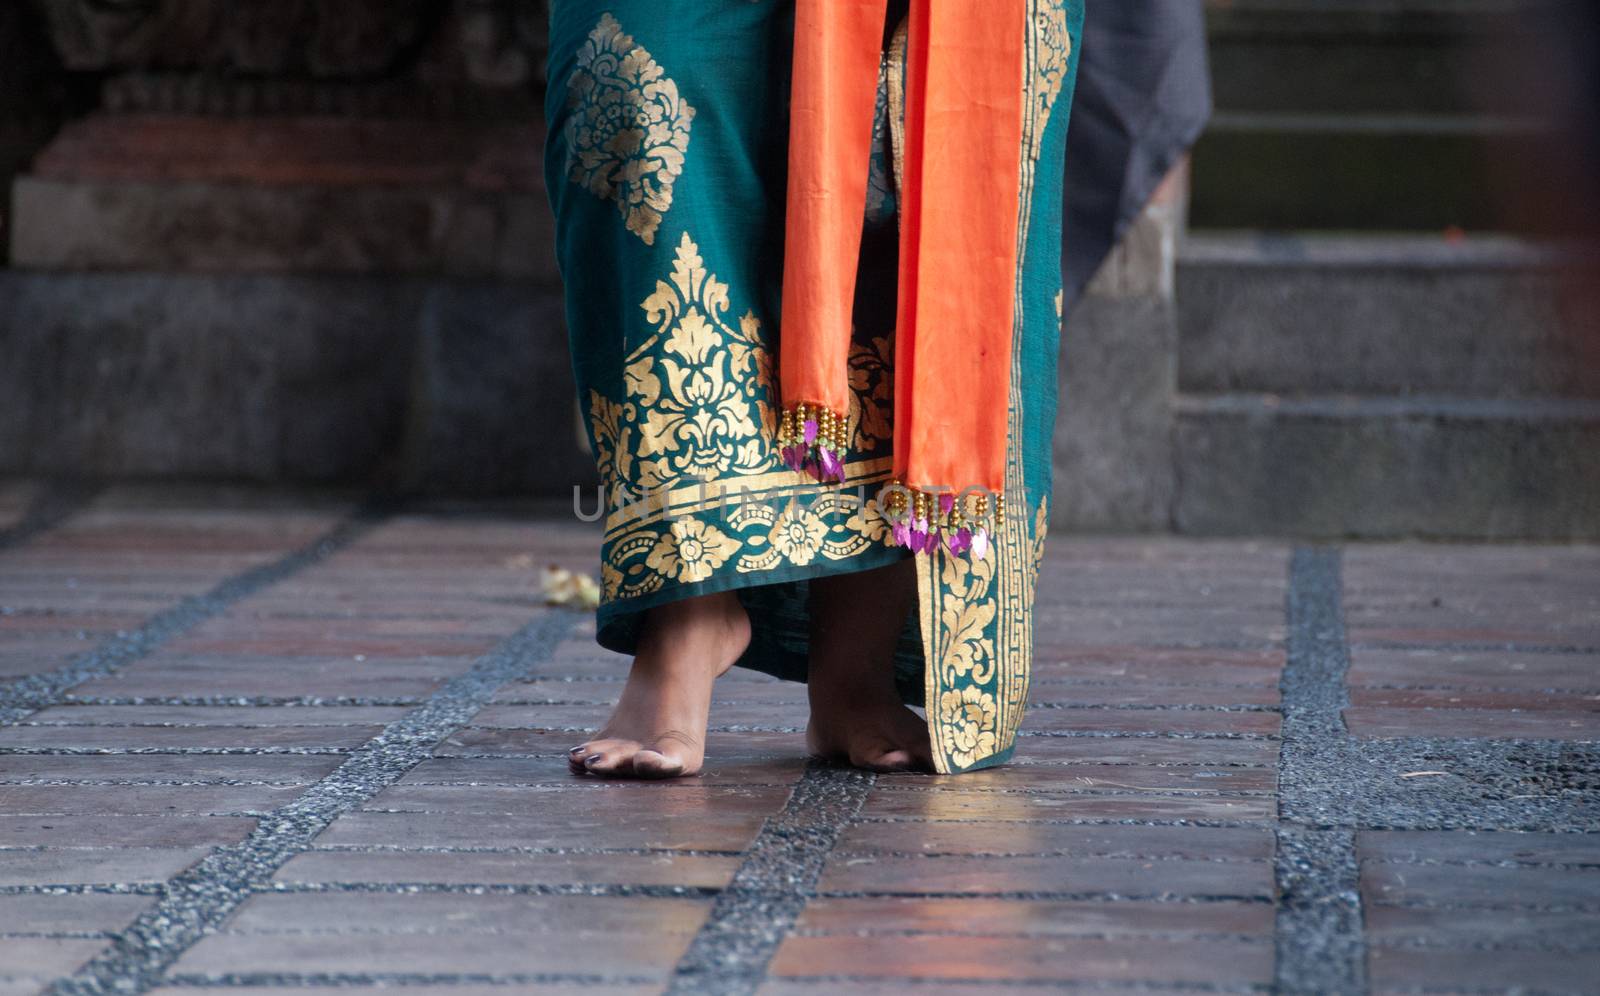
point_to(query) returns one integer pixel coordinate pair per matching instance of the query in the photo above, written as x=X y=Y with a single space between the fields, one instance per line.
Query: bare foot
x=856 y=714
x=658 y=729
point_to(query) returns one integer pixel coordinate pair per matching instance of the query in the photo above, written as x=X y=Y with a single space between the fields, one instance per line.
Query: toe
x=610 y=757
x=576 y=755
x=655 y=764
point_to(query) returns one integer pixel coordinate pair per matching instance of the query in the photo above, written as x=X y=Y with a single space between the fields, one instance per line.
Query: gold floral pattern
x=798 y=534
x=1051 y=47
x=611 y=425
x=872 y=390
x=695 y=423
x=702 y=386
x=628 y=137
x=968 y=717
x=690 y=550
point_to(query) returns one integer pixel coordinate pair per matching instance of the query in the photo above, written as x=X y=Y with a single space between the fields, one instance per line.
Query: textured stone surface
x=1335 y=467
x=289 y=378
x=1189 y=807
x=219 y=227
x=1318 y=314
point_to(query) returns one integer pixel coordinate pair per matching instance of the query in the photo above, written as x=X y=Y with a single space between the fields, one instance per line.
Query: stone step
x=1354 y=56
x=1415 y=172
x=1485 y=316
x=1374 y=113
x=1352 y=466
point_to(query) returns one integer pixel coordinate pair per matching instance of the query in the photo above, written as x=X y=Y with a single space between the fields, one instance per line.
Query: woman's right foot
x=658 y=729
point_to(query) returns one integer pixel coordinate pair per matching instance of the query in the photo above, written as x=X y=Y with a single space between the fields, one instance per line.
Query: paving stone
x=187 y=737
x=74 y=866
x=72 y=913
x=1468 y=698
x=721 y=747
x=431 y=989
x=100 y=830
x=893 y=987
x=1148 y=777
x=510 y=868
x=1410 y=969
x=322 y=644
x=1508 y=633
x=361 y=913
x=1152 y=721
x=1456 y=927
x=474 y=741
x=1480 y=885
x=553 y=771
x=1518 y=670
x=586 y=952
x=1480 y=846
x=44 y=957
x=1169 y=628
x=1545 y=724
x=279 y=768
x=890 y=915
x=738 y=685
x=228 y=716
x=550 y=827
x=975 y=874
x=1176 y=665
x=1065 y=692
x=1013 y=837
x=952 y=804
x=256 y=621
x=1056 y=959
x=592 y=716
x=168 y=676
x=1033 y=749
x=1149 y=767
x=612 y=800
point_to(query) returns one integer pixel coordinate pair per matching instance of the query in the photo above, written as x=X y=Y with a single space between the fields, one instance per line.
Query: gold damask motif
x=701 y=385
x=690 y=550
x=696 y=421
x=967 y=715
x=629 y=132
x=1051 y=46
x=872 y=388
x=611 y=425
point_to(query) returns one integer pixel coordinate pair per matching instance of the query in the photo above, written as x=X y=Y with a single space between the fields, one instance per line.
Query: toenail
x=592 y=758
x=574 y=750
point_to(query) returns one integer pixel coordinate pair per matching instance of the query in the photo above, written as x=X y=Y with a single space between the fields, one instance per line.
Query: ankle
x=687 y=639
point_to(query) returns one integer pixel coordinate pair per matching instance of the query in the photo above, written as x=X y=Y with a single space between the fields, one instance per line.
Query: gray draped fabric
x=1144 y=94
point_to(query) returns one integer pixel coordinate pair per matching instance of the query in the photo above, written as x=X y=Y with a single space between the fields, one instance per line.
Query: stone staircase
x=1349 y=361
x=1339 y=385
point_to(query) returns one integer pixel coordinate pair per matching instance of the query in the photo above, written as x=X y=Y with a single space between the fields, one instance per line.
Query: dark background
x=305 y=242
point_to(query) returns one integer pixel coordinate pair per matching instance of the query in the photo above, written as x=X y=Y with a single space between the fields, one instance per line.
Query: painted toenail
x=592 y=758
x=575 y=750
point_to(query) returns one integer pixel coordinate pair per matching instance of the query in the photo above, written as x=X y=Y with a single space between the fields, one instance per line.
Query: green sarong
x=665 y=164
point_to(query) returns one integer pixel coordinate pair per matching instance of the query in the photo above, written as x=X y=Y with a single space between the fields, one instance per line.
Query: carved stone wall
x=281 y=239
x=496 y=41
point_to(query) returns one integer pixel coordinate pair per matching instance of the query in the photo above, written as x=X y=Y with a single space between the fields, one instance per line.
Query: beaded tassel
x=925 y=520
x=811 y=439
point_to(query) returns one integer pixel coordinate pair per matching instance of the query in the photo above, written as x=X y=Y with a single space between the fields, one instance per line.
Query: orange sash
x=958 y=248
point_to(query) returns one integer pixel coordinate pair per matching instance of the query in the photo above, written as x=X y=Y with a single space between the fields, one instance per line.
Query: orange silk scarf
x=959 y=199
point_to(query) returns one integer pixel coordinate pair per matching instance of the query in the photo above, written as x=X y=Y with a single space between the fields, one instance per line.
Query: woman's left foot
x=856 y=714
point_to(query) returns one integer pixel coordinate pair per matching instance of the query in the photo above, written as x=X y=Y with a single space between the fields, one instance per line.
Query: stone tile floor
x=269 y=743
